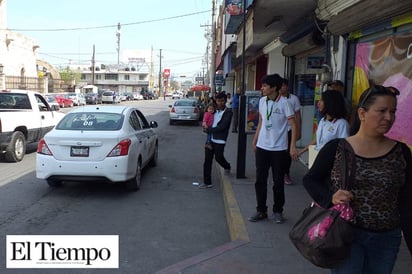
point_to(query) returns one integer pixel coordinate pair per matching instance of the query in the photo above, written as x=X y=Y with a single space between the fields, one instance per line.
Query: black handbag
x=324 y=236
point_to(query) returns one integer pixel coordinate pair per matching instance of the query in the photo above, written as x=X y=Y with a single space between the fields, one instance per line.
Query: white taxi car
x=110 y=143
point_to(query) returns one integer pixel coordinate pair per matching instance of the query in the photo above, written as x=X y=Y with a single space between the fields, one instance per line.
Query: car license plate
x=79 y=151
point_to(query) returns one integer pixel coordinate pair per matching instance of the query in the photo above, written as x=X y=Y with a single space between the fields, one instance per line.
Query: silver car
x=185 y=110
x=110 y=97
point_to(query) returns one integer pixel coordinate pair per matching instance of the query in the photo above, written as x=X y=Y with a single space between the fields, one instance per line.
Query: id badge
x=268 y=126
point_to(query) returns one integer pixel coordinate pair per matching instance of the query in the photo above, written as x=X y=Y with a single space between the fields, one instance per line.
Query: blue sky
x=145 y=24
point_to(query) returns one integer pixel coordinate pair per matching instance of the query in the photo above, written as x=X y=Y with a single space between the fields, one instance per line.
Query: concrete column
x=2 y=81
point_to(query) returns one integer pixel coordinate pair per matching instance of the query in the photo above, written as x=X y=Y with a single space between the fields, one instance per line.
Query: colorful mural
x=388 y=62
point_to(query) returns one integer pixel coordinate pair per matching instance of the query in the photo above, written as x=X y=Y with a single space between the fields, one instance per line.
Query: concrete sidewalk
x=261 y=247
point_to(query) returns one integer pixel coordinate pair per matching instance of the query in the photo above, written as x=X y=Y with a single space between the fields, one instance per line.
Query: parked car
x=93 y=98
x=25 y=117
x=111 y=143
x=148 y=95
x=137 y=96
x=111 y=97
x=185 y=110
x=176 y=95
x=78 y=98
x=52 y=102
x=129 y=96
x=122 y=96
x=63 y=101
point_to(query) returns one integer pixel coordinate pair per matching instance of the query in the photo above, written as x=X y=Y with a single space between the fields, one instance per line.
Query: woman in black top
x=381 y=194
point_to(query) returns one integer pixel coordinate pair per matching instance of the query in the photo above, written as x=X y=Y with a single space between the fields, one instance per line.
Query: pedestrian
x=229 y=101
x=219 y=131
x=208 y=122
x=235 y=109
x=333 y=123
x=294 y=101
x=270 y=144
x=339 y=86
x=380 y=195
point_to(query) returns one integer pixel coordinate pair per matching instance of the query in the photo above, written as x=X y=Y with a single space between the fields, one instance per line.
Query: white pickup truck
x=25 y=117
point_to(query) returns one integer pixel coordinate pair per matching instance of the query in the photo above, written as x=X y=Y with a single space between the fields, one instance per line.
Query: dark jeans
x=266 y=159
x=288 y=160
x=235 y=119
x=217 y=152
x=372 y=253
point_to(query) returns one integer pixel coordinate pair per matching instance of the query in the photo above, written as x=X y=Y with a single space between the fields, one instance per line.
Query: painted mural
x=388 y=62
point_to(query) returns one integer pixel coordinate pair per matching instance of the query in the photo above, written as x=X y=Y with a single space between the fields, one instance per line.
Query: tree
x=70 y=77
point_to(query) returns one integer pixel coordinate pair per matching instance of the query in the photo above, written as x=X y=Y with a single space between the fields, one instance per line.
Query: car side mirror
x=153 y=124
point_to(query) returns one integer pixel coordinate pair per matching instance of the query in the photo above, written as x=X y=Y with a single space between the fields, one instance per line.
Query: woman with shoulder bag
x=381 y=193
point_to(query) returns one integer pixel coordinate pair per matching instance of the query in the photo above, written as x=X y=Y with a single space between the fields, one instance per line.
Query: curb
x=237 y=227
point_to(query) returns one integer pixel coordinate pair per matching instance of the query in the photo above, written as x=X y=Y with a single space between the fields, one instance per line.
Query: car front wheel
x=153 y=161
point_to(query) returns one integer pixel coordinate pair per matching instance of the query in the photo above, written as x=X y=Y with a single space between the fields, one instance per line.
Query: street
x=166 y=221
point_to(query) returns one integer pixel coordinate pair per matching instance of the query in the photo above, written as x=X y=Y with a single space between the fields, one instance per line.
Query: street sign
x=220 y=80
x=166 y=73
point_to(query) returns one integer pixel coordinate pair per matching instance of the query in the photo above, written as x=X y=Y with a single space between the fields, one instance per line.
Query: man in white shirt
x=294 y=101
x=270 y=144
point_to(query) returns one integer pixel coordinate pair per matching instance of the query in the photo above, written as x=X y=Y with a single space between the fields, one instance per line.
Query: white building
x=18 y=53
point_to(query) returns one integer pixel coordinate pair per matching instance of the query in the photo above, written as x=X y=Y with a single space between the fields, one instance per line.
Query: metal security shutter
x=367 y=13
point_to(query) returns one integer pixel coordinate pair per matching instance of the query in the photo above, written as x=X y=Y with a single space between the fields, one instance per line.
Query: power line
x=110 y=26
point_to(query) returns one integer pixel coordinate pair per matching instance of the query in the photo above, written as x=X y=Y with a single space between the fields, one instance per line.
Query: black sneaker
x=278 y=216
x=258 y=217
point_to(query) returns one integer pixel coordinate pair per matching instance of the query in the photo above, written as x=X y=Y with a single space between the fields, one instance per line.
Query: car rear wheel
x=134 y=183
x=54 y=183
x=17 y=147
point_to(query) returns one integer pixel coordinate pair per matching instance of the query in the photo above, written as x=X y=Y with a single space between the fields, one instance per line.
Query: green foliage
x=67 y=75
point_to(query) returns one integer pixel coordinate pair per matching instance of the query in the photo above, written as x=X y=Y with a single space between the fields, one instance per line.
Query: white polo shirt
x=294 y=101
x=329 y=130
x=273 y=134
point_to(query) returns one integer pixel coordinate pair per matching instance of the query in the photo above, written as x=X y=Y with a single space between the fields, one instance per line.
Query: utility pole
x=151 y=70
x=93 y=64
x=213 y=55
x=118 y=43
x=241 y=141
x=160 y=74
x=209 y=39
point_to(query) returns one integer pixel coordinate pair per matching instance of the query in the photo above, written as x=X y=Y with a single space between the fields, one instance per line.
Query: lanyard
x=269 y=113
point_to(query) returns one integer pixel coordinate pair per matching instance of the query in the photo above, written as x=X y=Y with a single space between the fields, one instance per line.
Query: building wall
x=18 y=53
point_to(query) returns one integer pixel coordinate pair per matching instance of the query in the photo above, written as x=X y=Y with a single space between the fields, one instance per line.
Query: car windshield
x=185 y=103
x=92 y=121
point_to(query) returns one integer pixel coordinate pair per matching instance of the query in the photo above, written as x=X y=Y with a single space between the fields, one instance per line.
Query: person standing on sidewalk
x=235 y=108
x=229 y=101
x=380 y=195
x=333 y=123
x=270 y=144
x=219 y=131
x=294 y=101
x=340 y=87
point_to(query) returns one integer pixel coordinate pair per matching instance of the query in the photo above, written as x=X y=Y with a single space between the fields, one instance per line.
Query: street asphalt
x=261 y=247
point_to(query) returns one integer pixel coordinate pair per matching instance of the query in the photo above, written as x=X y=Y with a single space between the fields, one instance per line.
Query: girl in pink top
x=208 y=122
